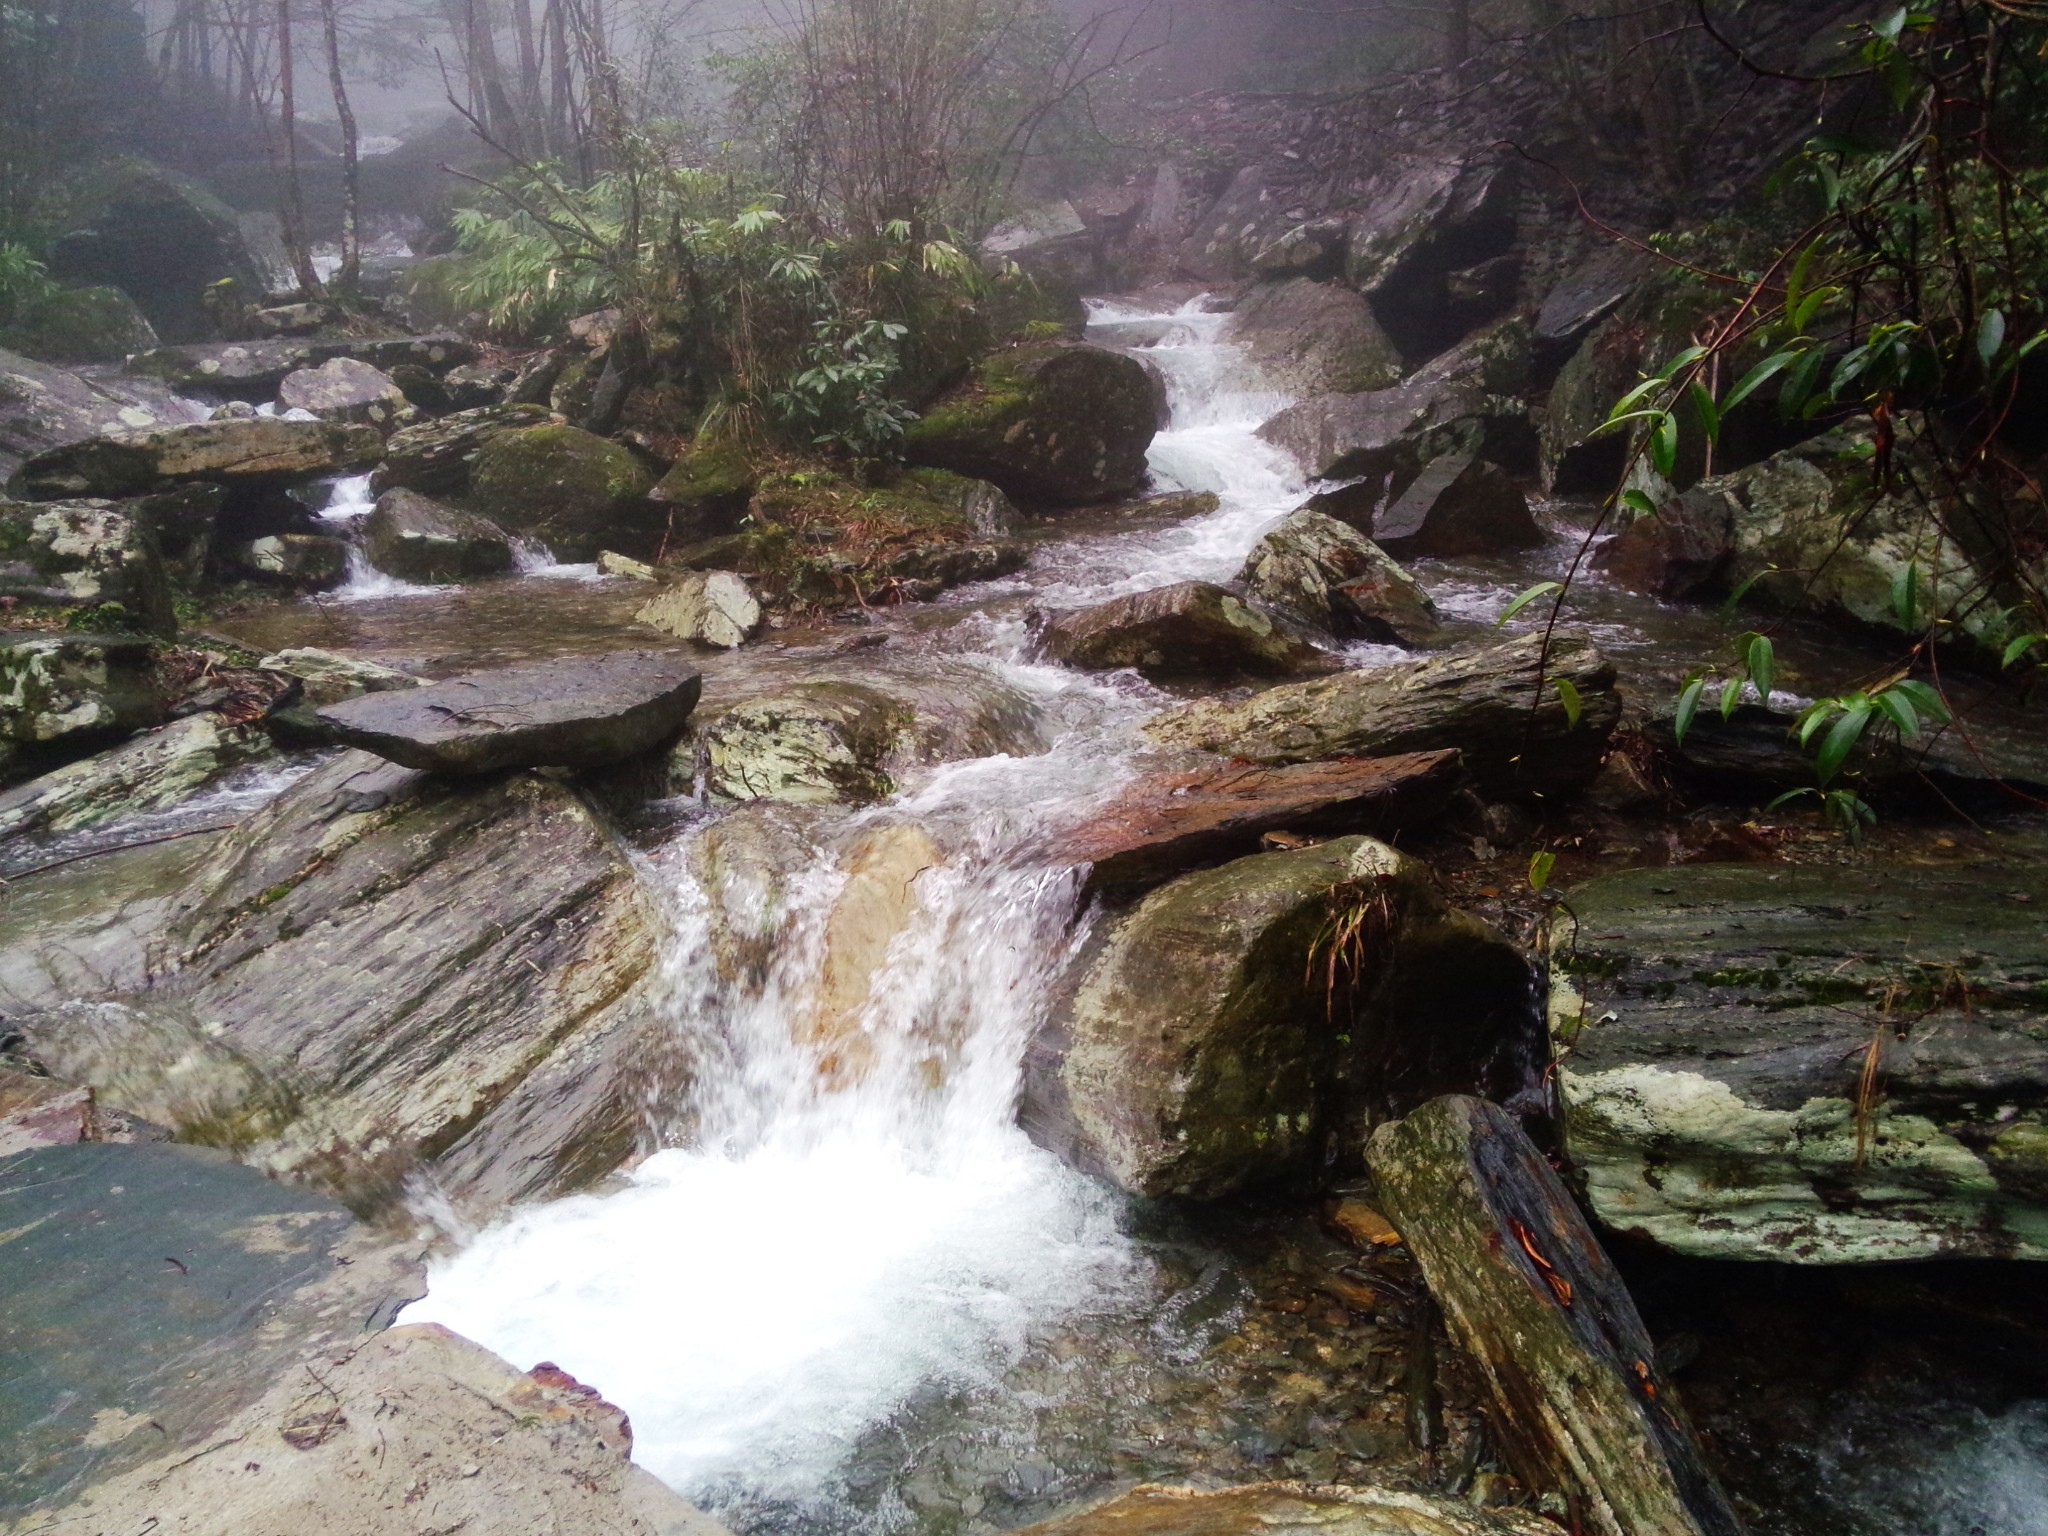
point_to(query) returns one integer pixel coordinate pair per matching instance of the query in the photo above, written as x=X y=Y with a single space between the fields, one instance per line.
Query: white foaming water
x=846 y=1215
x=348 y=504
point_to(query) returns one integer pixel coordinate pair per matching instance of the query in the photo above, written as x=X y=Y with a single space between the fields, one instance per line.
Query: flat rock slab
x=151 y=1290
x=1811 y=1065
x=569 y=713
x=1168 y=823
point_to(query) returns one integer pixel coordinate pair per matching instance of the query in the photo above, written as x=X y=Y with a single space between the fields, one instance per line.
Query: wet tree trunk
x=1579 y=1404
x=351 y=170
x=293 y=212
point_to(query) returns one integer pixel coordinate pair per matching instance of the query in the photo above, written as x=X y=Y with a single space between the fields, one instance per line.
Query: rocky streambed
x=924 y=1070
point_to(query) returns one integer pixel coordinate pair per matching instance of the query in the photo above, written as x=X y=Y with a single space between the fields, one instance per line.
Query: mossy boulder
x=61 y=695
x=574 y=491
x=706 y=491
x=437 y=458
x=1052 y=423
x=79 y=325
x=84 y=554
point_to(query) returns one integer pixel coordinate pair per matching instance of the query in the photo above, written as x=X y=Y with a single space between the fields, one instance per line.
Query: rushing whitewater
x=815 y=1246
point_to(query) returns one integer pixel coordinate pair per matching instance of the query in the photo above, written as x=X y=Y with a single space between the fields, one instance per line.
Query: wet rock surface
x=345 y=389
x=1286 y=1509
x=415 y=537
x=42 y=406
x=438 y=458
x=253 y=370
x=1809 y=1065
x=64 y=694
x=583 y=714
x=714 y=608
x=574 y=491
x=1314 y=338
x=1327 y=575
x=1190 y=629
x=84 y=553
x=150 y=772
x=254 y=450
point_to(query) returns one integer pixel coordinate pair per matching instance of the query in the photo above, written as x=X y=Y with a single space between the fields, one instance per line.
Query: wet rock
x=437 y=458
x=328 y=677
x=1050 y=423
x=1190 y=629
x=253 y=370
x=813 y=744
x=343 y=389
x=415 y=1418
x=1809 y=1064
x=1314 y=250
x=159 y=237
x=873 y=909
x=706 y=493
x=382 y=970
x=294 y=319
x=578 y=712
x=42 y=406
x=63 y=694
x=1458 y=506
x=1177 y=506
x=1236 y=226
x=150 y=772
x=228 y=1282
x=1584 y=1410
x=42 y=1112
x=574 y=491
x=714 y=608
x=306 y=562
x=610 y=563
x=420 y=539
x=85 y=553
x=1328 y=576
x=1287 y=1509
x=1480 y=702
x=1167 y=823
x=1217 y=1039
x=1425 y=219
x=129 y=460
x=1587 y=293
x=80 y=325
x=1312 y=338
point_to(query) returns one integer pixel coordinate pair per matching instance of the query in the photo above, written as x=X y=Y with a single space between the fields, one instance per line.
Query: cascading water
x=348 y=503
x=846 y=1215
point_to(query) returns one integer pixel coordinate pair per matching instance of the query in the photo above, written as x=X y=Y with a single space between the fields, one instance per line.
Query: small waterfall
x=348 y=503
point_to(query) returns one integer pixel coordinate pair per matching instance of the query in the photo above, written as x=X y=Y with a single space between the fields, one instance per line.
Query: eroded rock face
x=420 y=539
x=1287 y=1509
x=437 y=458
x=254 y=451
x=87 y=553
x=1313 y=338
x=574 y=491
x=147 y=773
x=1720 y=1018
x=576 y=712
x=344 y=389
x=1190 y=629
x=1055 y=424
x=714 y=608
x=1478 y=702
x=381 y=970
x=1329 y=576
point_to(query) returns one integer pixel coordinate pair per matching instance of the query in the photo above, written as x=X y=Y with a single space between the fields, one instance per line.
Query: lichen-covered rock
x=1190 y=629
x=420 y=539
x=130 y=460
x=815 y=743
x=1204 y=1050
x=714 y=608
x=1311 y=338
x=1423 y=220
x=437 y=458
x=1287 y=1509
x=343 y=389
x=1809 y=1064
x=1051 y=423
x=328 y=677
x=66 y=693
x=306 y=562
x=574 y=491
x=147 y=773
x=80 y=325
x=87 y=553
x=1329 y=576
x=1481 y=702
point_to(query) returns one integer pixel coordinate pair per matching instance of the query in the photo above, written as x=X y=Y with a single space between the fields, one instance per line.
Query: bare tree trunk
x=293 y=213
x=351 y=178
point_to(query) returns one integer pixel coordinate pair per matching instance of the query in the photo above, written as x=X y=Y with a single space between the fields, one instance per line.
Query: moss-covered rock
x=84 y=553
x=80 y=325
x=1051 y=423
x=706 y=491
x=814 y=744
x=438 y=458
x=576 y=492
x=64 y=694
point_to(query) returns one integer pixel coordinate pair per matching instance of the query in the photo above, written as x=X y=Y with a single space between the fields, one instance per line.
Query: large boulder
x=575 y=712
x=1223 y=1032
x=1312 y=338
x=576 y=492
x=1482 y=702
x=705 y=492
x=1287 y=1509
x=255 y=451
x=714 y=608
x=343 y=389
x=61 y=695
x=149 y=772
x=437 y=458
x=85 y=553
x=1460 y=505
x=1166 y=823
x=160 y=238
x=79 y=325
x=42 y=406
x=420 y=539
x=1329 y=576
x=253 y=370
x=1814 y=529
x=1190 y=629
x=1424 y=221
x=384 y=970
x=1810 y=1064
x=1051 y=423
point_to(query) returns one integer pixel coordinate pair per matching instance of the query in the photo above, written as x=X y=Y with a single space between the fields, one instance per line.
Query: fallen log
x=1579 y=1404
